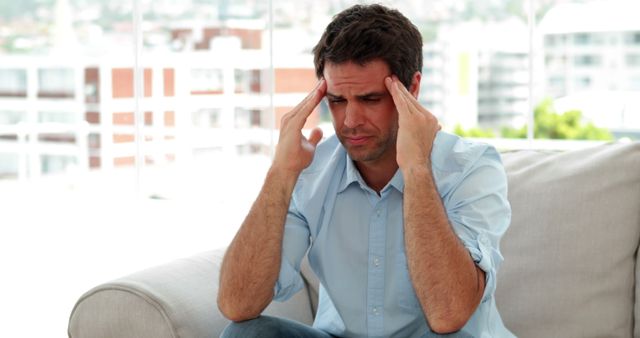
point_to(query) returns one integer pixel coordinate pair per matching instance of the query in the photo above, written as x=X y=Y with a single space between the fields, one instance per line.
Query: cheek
x=384 y=116
x=337 y=115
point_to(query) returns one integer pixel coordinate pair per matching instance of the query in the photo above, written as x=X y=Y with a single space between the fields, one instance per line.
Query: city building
x=66 y=110
x=592 y=62
x=476 y=75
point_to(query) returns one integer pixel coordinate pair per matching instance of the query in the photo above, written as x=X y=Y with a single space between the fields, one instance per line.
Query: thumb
x=316 y=136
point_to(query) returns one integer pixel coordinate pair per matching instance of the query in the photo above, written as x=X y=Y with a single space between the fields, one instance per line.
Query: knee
x=263 y=327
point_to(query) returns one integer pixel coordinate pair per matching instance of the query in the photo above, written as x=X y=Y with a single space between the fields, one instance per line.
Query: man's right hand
x=294 y=151
x=251 y=264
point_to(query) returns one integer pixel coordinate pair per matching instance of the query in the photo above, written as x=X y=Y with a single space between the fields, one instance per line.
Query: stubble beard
x=383 y=144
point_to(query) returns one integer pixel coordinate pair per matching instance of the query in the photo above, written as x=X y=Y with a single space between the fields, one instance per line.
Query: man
x=401 y=221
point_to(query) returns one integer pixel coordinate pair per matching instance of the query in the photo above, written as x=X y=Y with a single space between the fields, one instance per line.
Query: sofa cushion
x=571 y=249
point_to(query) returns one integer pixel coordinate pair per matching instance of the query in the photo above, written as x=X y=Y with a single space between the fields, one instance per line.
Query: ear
x=415 y=84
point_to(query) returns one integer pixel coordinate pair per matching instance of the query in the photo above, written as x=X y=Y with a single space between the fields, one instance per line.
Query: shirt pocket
x=405 y=292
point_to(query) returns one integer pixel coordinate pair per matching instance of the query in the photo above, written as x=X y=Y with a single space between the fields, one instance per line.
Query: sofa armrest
x=177 y=299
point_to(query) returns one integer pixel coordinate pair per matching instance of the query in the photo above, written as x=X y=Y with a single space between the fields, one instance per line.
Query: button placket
x=376 y=278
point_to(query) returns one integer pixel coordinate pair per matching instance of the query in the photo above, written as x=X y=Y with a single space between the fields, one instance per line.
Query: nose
x=353 y=115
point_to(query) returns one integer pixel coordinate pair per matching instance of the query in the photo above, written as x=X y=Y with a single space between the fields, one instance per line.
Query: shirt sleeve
x=295 y=244
x=480 y=214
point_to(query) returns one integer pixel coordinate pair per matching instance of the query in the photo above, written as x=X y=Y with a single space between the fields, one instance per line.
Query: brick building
x=212 y=97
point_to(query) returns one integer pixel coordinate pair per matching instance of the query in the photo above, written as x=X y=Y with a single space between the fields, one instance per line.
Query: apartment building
x=592 y=61
x=64 y=110
x=476 y=74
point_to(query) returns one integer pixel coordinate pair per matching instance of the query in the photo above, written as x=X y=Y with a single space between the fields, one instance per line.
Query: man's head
x=364 y=33
x=361 y=47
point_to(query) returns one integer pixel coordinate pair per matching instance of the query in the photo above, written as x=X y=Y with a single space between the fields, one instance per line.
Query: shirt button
x=484 y=240
x=376 y=261
x=375 y=310
x=378 y=212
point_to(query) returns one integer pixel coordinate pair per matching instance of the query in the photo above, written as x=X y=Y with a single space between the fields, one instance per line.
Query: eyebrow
x=373 y=95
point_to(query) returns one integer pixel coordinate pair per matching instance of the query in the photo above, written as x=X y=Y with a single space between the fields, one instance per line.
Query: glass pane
x=208 y=134
x=475 y=73
x=65 y=86
x=13 y=82
x=477 y=54
x=589 y=70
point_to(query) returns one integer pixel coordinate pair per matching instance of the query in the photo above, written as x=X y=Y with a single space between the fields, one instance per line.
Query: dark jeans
x=271 y=327
x=274 y=327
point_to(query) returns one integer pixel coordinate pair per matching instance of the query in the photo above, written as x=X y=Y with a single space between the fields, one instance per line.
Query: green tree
x=473 y=132
x=549 y=124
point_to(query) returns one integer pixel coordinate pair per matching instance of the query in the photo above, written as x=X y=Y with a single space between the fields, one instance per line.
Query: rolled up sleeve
x=480 y=214
x=294 y=246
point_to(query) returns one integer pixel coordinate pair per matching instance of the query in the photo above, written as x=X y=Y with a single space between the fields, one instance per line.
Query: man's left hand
x=417 y=127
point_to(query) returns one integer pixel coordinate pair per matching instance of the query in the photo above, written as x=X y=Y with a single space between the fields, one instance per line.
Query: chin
x=363 y=156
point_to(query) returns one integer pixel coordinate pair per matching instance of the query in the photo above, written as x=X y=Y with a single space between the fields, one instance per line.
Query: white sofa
x=570 y=266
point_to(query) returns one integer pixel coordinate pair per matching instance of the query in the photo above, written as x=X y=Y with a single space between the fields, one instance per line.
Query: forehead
x=353 y=77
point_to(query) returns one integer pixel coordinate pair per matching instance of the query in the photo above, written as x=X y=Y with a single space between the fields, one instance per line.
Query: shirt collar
x=397 y=181
x=353 y=175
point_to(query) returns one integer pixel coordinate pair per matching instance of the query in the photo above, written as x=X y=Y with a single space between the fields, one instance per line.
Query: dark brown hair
x=363 y=33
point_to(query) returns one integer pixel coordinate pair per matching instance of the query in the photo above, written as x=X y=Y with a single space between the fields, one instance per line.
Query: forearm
x=447 y=282
x=251 y=264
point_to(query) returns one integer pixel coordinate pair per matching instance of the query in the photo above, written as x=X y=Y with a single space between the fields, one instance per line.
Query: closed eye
x=335 y=100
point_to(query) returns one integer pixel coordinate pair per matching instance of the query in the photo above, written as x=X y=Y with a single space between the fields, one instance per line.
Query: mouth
x=357 y=140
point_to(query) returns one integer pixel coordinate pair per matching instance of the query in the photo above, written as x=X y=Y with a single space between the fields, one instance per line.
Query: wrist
x=418 y=171
x=282 y=176
x=416 y=166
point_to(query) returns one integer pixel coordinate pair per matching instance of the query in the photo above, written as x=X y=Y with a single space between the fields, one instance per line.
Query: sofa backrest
x=570 y=252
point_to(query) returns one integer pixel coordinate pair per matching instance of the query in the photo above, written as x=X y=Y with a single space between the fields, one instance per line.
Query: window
x=633 y=60
x=56 y=117
x=9 y=117
x=13 y=82
x=256 y=118
x=247 y=80
x=206 y=81
x=206 y=118
x=242 y=118
x=599 y=74
x=55 y=164
x=556 y=81
x=583 y=82
x=8 y=166
x=171 y=131
x=582 y=39
x=56 y=83
x=550 y=40
x=633 y=38
x=587 y=60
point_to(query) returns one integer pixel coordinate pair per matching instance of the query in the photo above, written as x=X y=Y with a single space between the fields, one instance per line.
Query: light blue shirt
x=355 y=239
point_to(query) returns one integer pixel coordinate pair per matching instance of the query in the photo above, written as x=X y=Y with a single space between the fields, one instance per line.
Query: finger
x=306 y=107
x=404 y=92
x=388 y=81
x=402 y=88
x=402 y=99
x=316 y=136
x=398 y=100
x=411 y=101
